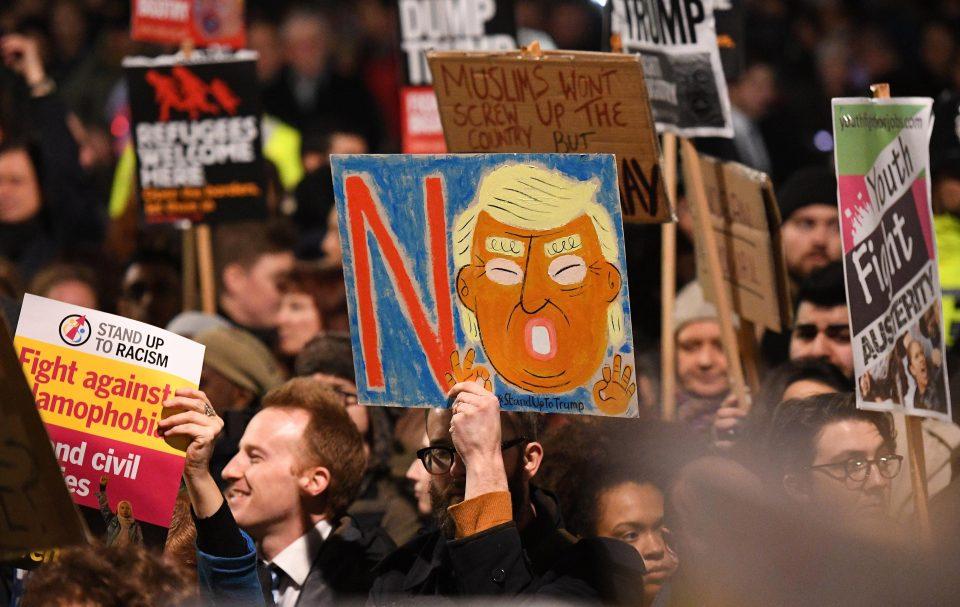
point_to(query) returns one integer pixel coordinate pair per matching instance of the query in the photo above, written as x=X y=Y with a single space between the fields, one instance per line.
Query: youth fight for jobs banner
x=681 y=62
x=889 y=254
x=99 y=382
x=196 y=132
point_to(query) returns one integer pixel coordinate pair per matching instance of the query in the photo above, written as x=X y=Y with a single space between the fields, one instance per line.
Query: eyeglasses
x=438 y=459
x=809 y=332
x=857 y=469
x=349 y=397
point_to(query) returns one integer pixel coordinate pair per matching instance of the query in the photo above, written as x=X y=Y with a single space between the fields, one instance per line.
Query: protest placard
x=35 y=508
x=427 y=25
x=503 y=268
x=558 y=101
x=201 y=22
x=890 y=254
x=196 y=132
x=421 y=131
x=746 y=223
x=99 y=382
x=681 y=63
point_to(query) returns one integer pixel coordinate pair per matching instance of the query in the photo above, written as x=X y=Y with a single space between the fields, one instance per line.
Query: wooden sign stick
x=189 y=268
x=208 y=291
x=918 y=464
x=204 y=247
x=697 y=195
x=747 y=335
x=668 y=285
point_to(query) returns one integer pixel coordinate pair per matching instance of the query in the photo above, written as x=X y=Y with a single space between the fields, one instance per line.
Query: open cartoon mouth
x=540 y=338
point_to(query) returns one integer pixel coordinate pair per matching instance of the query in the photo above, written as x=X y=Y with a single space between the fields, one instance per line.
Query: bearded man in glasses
x=498 y=534
x=835 y=461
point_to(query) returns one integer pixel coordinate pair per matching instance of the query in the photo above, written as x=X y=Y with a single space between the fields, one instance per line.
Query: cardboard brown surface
x=36 y=511
x=557 y=101
x=746 y=222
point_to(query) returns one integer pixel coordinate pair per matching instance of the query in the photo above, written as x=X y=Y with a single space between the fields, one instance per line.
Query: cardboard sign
x=99 y=382
x=202 y=22
x=746 y=223
x=420 y=129
x=890 y=254
x=196 y=131
x=559 y=102
x=35 y=508
x=681 y=62
x=503 y=268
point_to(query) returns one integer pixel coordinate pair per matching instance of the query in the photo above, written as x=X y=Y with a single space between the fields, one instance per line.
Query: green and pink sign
x=889 y=254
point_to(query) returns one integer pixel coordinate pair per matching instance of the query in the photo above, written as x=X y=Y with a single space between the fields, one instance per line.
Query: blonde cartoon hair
x=532 y=197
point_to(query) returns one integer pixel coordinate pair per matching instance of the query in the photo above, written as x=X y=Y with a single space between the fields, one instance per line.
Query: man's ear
x=314 y=480
x=796 y=488
x=612 y=281
x=241 y=398
x=234 y=276
x=467 y=288
x=532 y=458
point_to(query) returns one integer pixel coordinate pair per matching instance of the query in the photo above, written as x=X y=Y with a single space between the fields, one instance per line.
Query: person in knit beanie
x=810 y=228
x=702 y=381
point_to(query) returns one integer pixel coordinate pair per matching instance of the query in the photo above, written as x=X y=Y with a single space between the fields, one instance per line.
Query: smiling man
x=299 y=468
x=537 y=282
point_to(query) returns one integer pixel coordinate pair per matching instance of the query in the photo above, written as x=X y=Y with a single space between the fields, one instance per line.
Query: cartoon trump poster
x=506 y=269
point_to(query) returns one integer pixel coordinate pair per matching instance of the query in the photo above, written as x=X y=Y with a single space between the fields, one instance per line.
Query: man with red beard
x=498 y=534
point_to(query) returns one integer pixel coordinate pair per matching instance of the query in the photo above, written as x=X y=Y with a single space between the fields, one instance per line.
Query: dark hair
x=331 y=438
x=245 y=243
x=583 y=460
x=323 y=282
x=782 y=377
x=581 y=507
x=36 y=161
x=824 y=287
x=114 y=576
x=58 y=273
x=327 y=353
x=791 y=443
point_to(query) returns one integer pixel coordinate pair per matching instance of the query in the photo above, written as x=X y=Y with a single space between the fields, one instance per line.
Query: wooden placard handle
x=697 y=195
x=668 y=286
x=208 y=290
x=915 y=449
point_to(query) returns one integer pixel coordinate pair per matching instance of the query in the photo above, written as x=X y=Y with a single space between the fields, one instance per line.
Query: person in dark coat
x=47 y=205
x=498 y=535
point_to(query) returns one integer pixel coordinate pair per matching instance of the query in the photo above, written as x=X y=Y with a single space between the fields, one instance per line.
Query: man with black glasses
x=834 y=460
x=498 y=534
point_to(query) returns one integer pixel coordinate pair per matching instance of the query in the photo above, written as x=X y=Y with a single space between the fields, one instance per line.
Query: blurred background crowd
x=70 y=229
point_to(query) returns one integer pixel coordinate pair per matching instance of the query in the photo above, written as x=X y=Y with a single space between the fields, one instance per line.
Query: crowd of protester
x=294 y=494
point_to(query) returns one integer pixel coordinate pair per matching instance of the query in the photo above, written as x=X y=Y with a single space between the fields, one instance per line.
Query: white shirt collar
x=296 y=559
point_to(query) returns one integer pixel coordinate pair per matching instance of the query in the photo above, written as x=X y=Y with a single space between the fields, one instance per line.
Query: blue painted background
x=397 y=181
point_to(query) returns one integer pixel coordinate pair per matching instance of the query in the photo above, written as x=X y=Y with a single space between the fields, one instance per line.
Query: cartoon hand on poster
x=612 y=393
x=467 y=371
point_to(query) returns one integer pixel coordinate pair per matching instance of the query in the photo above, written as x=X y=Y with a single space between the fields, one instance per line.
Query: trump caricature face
x=540 y=297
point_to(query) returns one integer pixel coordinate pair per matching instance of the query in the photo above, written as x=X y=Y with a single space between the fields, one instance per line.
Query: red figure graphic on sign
x=72 y=333
x=183 y=91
